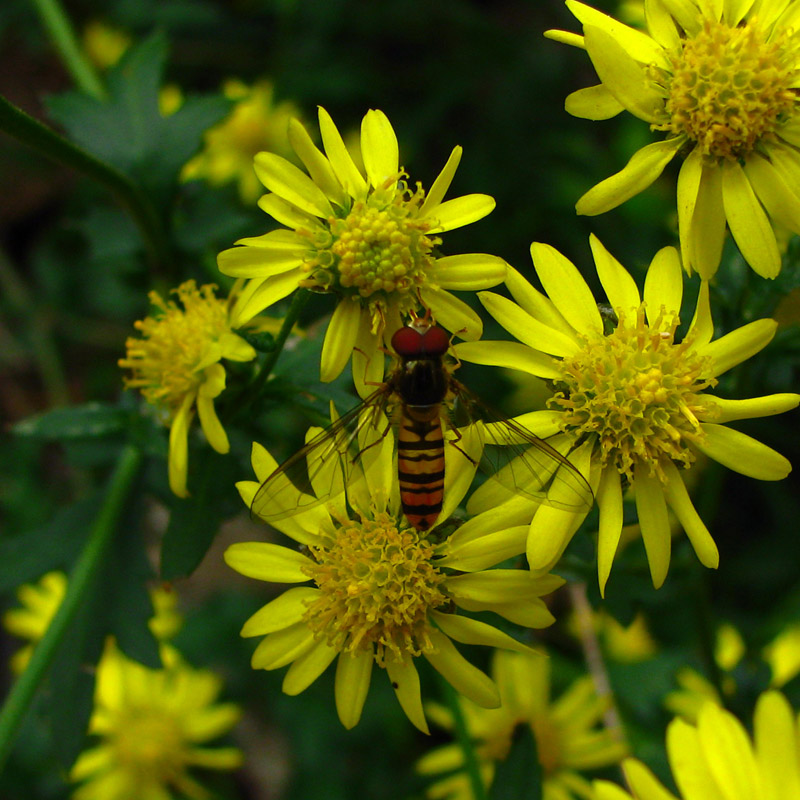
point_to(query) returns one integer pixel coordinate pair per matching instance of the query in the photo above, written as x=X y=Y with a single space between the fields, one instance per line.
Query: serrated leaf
x=519 y=777
x=127 y=129
x=88 y=421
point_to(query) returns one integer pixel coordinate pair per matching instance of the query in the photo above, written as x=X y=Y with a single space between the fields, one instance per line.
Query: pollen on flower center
x=637 y=392
x=377 y=584
x=729 y=88
x=150 y=743
x=379 y=248
x=175 y=342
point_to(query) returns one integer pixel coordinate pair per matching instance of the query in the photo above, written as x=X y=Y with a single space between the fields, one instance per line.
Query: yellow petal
x=353 y=673
x=511 y=355
x=178 y=459
x=637 y=44
x=625 y=77
x=526 y=328
x=292 y=184
x=741 y=453
x=724 y=410
x=609 y=502
x=550 y=533
x=535 y=303
x=467 y=272
x=405 y=682
x=472 y=631
x=319 y=168
x=379 y=149
x=442 y=183
x=681 y=504
x=707 y=225
x=282 y=647
x=645 y=166
x=286 y=213
x=689 y=178
x=661 y=26
x=663 y=285
x=460 y=673
x=485 y=551
x=643 y=782
x=567 y=289
x=305 y=669
x=737 y=346
x=780 y=200
x=701 y=328
x=341 y=161
x=593 y=102
x=267 y=562
x=689 y=766
x=620 y=287
x=451 y=313
x=749 y=224
x=651 y=507
x=262 y=260
x=460 y=211
x=259 y=295
x=368 y=358
x=340 y=338
x=212 y=427
x=776 y=745
x=565 y=37
x=285 y=610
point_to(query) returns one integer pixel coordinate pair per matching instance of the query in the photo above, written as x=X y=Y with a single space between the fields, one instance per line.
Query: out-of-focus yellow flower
x=104 y=44
x=176 y=366
x=256 y=123
x=170 y=99
x=715 y=758
x=720 y=81
x=39 y=602
x=376 y=592
x=625 y=644
x=631 y=404
x=369 y=238
x=567 y=731
x=152 y=726
x=783 y=655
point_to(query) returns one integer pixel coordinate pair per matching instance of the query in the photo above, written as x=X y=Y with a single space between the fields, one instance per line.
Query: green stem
x=292 y=315
x=61 y=32
x=80 y=581
x=15 y=122
x=471 y=763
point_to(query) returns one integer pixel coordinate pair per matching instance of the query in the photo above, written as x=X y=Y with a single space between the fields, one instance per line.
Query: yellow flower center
x=637 y=393
x=377 y=586
x=150 y=743
x=175 y=342
x=377 y=250
x=730 y=88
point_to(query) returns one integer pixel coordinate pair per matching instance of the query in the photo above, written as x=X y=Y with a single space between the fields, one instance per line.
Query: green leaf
x=519 y=777
x=128 y=130
x=91 y=420
x=194 y=521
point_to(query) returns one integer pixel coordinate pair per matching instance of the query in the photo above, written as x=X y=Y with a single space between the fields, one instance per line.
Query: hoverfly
x=419 y=393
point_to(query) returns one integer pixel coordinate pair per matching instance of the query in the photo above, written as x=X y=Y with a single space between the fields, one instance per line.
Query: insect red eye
x=409 y=341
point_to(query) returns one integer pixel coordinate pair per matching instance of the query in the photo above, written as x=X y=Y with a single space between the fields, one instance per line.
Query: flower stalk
x=80 y=581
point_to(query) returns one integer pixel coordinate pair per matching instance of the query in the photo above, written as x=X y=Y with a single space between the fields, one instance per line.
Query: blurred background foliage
x=74 y=275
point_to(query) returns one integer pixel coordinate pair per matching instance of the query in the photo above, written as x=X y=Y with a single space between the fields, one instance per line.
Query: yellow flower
x=370 y=239
x=625 y=644
x=716 y=758
x=39 y=601
x=166 y=620
x=176 y=366
x=152 y=726
x=720 y=80
x=567 y=731
x=255 y=123
x=104 y=44
x=783 y=655
x=377 y=592
x=630 y=405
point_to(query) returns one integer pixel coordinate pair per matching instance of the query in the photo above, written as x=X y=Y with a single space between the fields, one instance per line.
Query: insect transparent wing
x=322 y=469
x=519 y=462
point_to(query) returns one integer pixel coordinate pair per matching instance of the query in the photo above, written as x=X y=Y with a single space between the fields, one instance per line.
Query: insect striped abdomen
x=420 y=464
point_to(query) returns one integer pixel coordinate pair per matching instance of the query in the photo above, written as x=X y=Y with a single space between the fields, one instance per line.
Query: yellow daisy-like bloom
x=567 y=731
x=716 y=758
x=255 y=123
x=369 y=238
x=720 y=80
x=153 y=725
x=176 y=366
x=377 y=592
x=39 y=602
x=631 y=404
